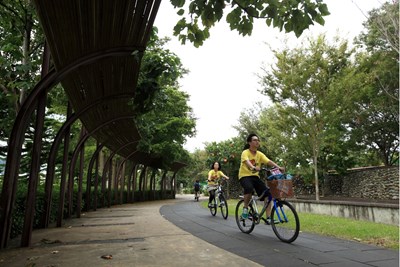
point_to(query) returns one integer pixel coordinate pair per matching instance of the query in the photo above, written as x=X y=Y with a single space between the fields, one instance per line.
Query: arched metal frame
x=37 y=100
x=64 y=133
x=95 y=157
x=19 y=128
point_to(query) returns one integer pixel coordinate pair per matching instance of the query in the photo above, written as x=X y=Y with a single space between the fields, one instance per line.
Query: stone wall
x=377 y=183
x=381 y=183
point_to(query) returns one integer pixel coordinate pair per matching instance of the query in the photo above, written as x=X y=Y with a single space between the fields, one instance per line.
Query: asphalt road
x=263 y=247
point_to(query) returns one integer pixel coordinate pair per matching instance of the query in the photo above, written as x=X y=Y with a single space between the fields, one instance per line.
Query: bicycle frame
x=220 y=202
x=219 y=191
x=253 y=202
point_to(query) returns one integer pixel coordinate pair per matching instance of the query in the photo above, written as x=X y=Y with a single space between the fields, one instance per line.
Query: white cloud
x=222 y=81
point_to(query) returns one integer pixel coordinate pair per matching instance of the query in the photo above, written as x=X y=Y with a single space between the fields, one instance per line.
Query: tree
x=302 y=82
x=227 y=153
x=21 y=48
x=377 y=124
x=164 y=118
x=248 y=121
x=201 y=16
x=196 y=169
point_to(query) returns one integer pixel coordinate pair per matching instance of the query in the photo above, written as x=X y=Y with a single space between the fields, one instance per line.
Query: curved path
x=263 y=247
x=178 y=232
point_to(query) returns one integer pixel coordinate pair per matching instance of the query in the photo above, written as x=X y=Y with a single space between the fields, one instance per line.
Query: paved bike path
x=122 y=235
x=263 y=247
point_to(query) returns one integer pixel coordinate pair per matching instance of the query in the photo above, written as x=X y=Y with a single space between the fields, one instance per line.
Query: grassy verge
x=378 y=234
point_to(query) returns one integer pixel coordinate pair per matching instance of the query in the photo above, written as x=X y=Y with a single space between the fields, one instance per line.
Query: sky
x=222 y=80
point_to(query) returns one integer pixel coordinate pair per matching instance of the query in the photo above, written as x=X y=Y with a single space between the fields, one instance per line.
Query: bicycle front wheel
x=224 y=206
x=285 y=221
x=245 y=225
x=213 y=207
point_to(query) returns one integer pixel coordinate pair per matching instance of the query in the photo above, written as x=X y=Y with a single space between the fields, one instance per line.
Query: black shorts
x=250 y=183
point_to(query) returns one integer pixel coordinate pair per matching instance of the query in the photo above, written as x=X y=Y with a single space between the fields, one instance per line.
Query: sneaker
x=268 y=221
x=222 y=204
x=210 y=205
x=245 y=213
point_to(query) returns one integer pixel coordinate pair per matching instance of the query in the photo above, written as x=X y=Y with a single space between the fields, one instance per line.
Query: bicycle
x=223 y=204
x=284 y=219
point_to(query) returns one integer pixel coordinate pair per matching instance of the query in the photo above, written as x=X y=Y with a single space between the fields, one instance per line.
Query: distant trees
x=334 y=107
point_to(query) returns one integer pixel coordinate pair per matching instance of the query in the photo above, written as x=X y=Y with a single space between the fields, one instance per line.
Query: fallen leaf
x=48 y=241
x=107 y=257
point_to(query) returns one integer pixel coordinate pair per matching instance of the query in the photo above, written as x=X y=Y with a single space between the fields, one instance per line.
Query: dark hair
x=248 y=140
x=219 y=165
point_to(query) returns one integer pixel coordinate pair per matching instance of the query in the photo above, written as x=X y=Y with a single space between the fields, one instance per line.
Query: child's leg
x=212 y=195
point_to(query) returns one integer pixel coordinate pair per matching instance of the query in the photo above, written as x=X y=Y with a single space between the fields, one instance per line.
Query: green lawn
x=361 y=231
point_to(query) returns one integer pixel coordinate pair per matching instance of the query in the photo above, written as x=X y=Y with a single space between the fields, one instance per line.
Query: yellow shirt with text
x=215 y=176
x=257 y=160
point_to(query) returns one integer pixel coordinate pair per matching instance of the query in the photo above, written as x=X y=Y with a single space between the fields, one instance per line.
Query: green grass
x=378 y=234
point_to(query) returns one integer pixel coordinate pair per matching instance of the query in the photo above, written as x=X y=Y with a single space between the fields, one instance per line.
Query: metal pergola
x=96 y=48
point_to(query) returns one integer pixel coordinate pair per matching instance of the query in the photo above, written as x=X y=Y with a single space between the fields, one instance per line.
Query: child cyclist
x=213 y=176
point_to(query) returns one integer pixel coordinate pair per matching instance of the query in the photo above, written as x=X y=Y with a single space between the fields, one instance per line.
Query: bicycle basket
x=281 y=188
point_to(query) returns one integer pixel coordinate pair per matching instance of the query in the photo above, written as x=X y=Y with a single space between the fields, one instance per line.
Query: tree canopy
x=199 y=16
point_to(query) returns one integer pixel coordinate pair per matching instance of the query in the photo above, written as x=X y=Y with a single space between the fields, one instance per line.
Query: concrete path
x=180 y=233
x=123 y=235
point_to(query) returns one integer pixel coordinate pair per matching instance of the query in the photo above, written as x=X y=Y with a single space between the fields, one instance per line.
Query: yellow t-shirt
x=257 y=159
x=215 y=176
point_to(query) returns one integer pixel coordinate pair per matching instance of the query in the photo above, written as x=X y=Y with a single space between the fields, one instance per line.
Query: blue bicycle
x=284 y=219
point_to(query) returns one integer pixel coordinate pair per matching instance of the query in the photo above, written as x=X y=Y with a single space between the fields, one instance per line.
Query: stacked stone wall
x=377 y=183
x=381 y=183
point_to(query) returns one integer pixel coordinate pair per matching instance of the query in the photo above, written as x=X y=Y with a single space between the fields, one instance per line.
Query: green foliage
x=21 y=47
x=197 y=169
x=227 y=153
x=376 y=124
x=164 y=118
x=333 y=106
x=198 y=17
x=304 y=86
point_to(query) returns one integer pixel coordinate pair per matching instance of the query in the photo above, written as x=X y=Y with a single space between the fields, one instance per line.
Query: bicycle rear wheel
x=213 y=207
x=285 y=221
x=224 y=206
x=245 y=225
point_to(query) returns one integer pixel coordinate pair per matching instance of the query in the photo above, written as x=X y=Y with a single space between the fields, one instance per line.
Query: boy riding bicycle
x=249 y=179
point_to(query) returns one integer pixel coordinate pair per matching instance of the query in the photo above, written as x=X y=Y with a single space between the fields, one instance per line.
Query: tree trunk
x=316 y=173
